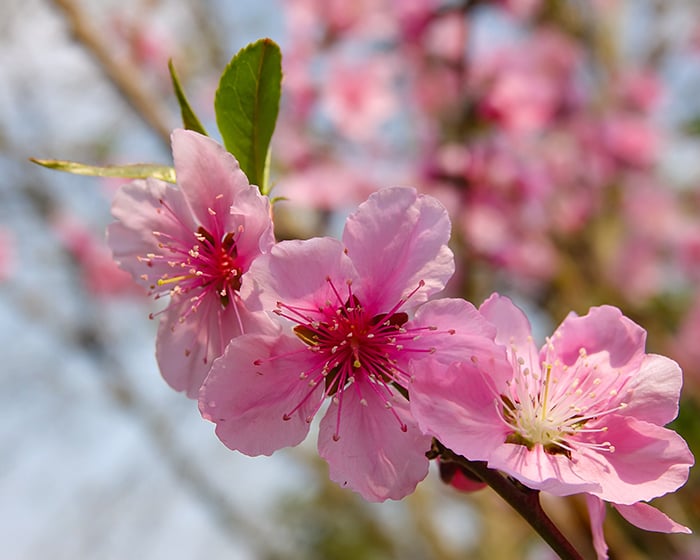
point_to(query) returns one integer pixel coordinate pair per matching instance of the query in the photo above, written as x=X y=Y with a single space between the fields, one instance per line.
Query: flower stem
x=522 y=499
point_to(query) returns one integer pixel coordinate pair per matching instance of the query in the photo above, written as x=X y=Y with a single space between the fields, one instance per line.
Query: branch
x=523 y=500
x=125 y=76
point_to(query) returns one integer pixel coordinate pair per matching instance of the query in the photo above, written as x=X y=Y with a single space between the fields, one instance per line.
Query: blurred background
x=562 y=135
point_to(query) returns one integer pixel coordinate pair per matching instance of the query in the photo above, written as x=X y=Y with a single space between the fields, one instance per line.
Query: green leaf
x=189 y=119
x=692 y=127
x=130 y=171
x=246 y=106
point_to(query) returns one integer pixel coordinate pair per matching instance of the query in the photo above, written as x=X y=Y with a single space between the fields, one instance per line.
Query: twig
x=523 y=500
x=123 y=74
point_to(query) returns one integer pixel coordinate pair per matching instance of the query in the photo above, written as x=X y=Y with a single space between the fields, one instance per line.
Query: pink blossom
x=6 y=254
x=446 y=37
x=358 y=98
x=524 y=9
x=333 y=18
x=584 y=414
x=685 y=342
x=327 y=185
x=526 y=85
x=350 y=341
x=102 y=277
x=632 y=138
x=195 y=243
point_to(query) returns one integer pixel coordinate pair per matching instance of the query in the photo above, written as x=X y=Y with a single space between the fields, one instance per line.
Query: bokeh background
x=562 y=135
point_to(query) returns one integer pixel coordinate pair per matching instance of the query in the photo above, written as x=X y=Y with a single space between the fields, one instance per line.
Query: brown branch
x=523 y=500
x=125 y=76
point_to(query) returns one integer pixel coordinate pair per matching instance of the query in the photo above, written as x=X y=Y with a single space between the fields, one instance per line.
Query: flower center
x=203 y=265
x=555 y=407
x=354 y=347
x=354 y=343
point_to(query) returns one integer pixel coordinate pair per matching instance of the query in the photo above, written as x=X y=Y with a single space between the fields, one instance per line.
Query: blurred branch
x=125 y=76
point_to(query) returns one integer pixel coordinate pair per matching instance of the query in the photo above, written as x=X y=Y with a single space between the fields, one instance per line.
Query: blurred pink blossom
x=325 y=185
x=101 y=275
x=525 y=85
x=632 y=138
x=358 y=98
x=6 y=254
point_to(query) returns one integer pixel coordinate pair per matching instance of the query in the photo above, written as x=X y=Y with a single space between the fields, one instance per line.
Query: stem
x=123 y=74
x=522 y=499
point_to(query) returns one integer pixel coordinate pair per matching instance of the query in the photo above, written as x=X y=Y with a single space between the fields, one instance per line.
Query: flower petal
x=596 y=512
x=456 y=404
x=537 y=469
x=373 y=456
x=209 y=178
x=298 y=273
x=649 y=518
x=513 y=329
x=253 y=387
x=603 y=329
x=186 y=350
x=461 y=334
x=396 y=239
x=656 y=390
x=250 y=220
x=648 y=461
x=142 y=208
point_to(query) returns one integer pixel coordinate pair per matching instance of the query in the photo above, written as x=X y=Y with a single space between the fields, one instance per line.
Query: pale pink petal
x=250 y=221
x=253 y=387
x=297 y=273
x=456 y=405
x=185 y=350
x=537 y=469
x=596 y=511
x=396 y=239
x=513 y=329
x=648 y=461
x=140 y=207
x=373 y=456
x=209 y=178
x=461 y=333
x=603 y=329
x=649 y=518
x=655 y=390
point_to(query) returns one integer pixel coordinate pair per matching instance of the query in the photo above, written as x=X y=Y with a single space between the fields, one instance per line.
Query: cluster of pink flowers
x=522 y=133
x=268 y=335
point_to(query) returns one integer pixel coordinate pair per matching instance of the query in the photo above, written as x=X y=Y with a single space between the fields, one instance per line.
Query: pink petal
x=540 y=470
x=297 y=273
x=250 y=215
x=603 y=329
x=649 y=518
x=186 y=350
x=655 y=390
x=648 y=461
x=596 y=511
x=462 y=334
x=373 y=456
x=457 y=405
x=252 y=387
x=396 y=239
x=139 y=207
x=513 y=329
x=209 y=178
